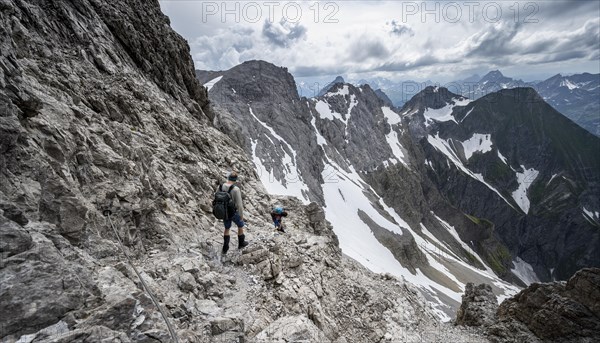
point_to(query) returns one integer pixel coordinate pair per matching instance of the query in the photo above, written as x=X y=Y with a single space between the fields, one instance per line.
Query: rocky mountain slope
x=440 y=192
x=537 y=169
x=552 y=312
x=101 y=111
x=575 y=96
x=340 y=150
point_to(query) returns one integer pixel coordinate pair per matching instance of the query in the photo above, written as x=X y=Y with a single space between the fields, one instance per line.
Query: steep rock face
x=549 y=312
x=557 y=312
x=538 y=167
x=575 y=96
x=273 y=125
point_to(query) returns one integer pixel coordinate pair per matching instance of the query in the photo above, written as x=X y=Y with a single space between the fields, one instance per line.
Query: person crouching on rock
x=277 y=215
x=238 y=215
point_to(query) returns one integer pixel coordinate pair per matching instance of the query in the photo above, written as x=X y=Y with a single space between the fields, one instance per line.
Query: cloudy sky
x=440 y=40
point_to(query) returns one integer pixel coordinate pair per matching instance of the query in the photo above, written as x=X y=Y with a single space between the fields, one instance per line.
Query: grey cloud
x=365 y=48
x=564 y=9
x=565 y=46
x=494 y=41
x=283 y=34
x=399 y=29
x=562 y=56
x=309 y=71
x=223 y=50
x=423 y=61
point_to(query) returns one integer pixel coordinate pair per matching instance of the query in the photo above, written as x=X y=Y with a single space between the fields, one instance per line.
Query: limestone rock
x=478 y=306
x=542 y=312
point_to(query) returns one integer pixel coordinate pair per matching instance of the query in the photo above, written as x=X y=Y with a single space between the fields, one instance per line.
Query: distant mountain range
x=576 y=96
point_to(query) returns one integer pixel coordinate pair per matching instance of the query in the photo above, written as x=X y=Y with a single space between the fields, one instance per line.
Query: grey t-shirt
x=236 y=195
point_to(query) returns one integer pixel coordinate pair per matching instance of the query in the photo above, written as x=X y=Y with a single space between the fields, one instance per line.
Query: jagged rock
x=542 y=312
x=13 y=239
x=13 y=213
x=557 y=311
x=478 y=306
x=187 y=282
x=39 y=286
x=292 y=329
x=222 y=324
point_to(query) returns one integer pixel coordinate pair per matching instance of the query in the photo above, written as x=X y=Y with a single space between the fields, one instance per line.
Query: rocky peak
x=431 y=97
x=386 y=100
x=327 y=88
x=520 y=95
x=493 y=76
x=338 y=79
x=259 y=80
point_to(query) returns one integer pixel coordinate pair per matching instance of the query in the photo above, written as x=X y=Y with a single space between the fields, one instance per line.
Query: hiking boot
x=226 y=244
x=280 y=229
x=242 y=242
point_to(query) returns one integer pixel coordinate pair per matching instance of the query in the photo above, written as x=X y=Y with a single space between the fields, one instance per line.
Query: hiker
x=229 y=207
x=277 y=215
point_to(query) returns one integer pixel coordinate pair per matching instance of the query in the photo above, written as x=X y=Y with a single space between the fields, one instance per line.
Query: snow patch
x=325 y=111
x=477 y=143
x=292 y=183
x=525 y=179
x=551 y=179
x=394 y=143
x=341 y=91
x=391 y=116
x=590 y=216
x=568 y=84
x=212 y=82
x=444 y=147
x=445 y=113
x=465 y=246
x=504 y=159
x=466 y=115
x=320 y=139
x=524 y=271
x=439 y=115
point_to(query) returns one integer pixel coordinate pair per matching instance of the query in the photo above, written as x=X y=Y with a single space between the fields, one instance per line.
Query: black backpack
x=223 y=206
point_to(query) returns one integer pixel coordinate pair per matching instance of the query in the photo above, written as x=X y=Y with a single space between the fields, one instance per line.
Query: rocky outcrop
x=478 y=306
x=547 y=312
